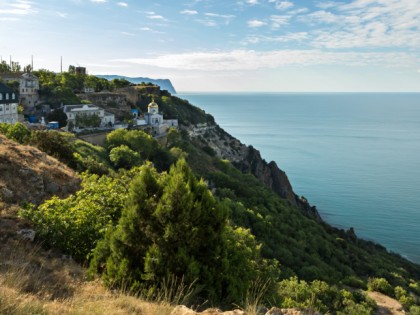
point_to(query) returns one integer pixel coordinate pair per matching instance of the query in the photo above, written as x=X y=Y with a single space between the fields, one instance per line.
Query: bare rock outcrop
x=29 y=175
x=115 y=103
x=183 y=310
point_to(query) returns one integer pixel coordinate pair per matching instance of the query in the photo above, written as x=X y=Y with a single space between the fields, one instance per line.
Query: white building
x=155 y=119
x=8 y=105
x=29 y=90
x=72 y=111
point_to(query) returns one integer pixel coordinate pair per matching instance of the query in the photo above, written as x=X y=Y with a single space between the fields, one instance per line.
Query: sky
x=224 y=45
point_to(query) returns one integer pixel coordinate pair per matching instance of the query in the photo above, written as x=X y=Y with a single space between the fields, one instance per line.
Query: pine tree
x=120 y=256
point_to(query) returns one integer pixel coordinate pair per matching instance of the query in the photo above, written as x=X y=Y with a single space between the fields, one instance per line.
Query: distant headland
x=165 y=84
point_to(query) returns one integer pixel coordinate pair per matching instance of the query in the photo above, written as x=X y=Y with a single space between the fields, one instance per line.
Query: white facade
x=72 y=111
x=155 y=119
x=152 y=117
x=28 y=89
x=8 y=105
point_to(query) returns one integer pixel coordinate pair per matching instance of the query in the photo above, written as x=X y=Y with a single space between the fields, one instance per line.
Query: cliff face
x=249 y=160
x=115 y=103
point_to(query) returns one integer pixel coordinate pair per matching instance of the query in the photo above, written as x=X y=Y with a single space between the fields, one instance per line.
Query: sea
x=355 y=156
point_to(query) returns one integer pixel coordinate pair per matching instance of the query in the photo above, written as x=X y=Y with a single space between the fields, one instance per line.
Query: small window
x=13 y=96
x=7 y=96
x=1 y=108
x=1 y=97
x=7 y=107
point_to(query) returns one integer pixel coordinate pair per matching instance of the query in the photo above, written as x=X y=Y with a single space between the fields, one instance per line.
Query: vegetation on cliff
x=143 y=215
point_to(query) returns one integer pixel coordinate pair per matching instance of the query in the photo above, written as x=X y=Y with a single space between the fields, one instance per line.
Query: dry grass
x=26 y=171
x=34 y=281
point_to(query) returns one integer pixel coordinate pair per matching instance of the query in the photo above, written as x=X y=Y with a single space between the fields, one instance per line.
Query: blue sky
x=230 y=45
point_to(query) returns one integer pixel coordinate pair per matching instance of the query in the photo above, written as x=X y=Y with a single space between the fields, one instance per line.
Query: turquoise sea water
x=356 y=156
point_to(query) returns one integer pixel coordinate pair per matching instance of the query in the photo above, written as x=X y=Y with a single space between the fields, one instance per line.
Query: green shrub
x=57 y=144
x=380 y=285
x=355 y=282
x=75 y=224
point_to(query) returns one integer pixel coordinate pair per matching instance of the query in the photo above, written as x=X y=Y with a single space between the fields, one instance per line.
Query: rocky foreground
x=183 y=310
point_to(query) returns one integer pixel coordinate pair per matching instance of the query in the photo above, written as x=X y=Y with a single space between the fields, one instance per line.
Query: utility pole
x=32 y=63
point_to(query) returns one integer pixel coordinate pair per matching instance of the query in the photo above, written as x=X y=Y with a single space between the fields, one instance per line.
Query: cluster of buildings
x=28 y=97
x=8 y=105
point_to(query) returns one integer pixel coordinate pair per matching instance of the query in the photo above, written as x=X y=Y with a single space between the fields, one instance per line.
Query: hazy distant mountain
x=165 y=84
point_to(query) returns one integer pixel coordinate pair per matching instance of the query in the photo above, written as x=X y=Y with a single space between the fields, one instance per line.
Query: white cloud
x=207 y=22
x=279 y=20
x=298 y=11
x=256 y=23
x=282 y=5
x=321 y=17
x=156 y=17
x=122 y=4
x=328 y=4
x=252 y=60
x=290 y=37
x=128 y=34
x=9 y=19
x=62 y=15
x=98 y=1
x=252 y=2
x=223 y=16
x=15 y=9
x=148 y=29
x=366 y=24
x=189 y=12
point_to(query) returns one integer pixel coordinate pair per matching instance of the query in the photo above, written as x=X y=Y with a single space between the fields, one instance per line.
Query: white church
x=155 y=119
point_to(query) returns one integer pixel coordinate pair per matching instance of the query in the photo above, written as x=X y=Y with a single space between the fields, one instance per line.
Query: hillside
x=165 y=84
x=135 y=223
x=30 y=175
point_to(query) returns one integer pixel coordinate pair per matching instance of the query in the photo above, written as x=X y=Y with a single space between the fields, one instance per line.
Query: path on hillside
x=386 y=305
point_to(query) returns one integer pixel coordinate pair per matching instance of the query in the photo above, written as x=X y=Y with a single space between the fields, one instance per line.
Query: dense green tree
x=15 y=66
x=4 y=66
x=121 y=255
x=172 y=225
x=27 y=68
x=124 y=157
x=137 y=140
x=87 y=121
x=58 y=115
x=120 y=83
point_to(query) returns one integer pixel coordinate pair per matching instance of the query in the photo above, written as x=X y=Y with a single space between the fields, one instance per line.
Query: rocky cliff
x=249 y=160
x=115 y=103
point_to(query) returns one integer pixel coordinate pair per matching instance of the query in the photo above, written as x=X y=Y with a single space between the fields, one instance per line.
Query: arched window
x=7 y=96
x=1 y=97
x=13 y=96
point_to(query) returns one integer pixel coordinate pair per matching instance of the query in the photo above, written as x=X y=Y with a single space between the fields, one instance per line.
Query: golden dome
x=153 y=104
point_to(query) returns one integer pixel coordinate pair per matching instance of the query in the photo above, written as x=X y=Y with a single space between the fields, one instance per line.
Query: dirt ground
x=386 y=305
